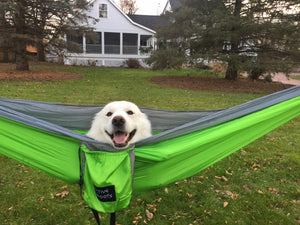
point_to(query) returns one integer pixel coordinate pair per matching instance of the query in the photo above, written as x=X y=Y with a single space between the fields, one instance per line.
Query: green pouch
x=107 y=179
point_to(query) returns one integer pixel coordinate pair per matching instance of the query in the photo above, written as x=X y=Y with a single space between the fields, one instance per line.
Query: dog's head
x=120 y=123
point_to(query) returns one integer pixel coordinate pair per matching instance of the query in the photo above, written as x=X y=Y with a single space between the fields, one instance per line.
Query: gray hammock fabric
x=62 y=118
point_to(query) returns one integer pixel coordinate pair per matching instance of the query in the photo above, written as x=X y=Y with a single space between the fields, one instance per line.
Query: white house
x=118 y=38
x=171 y=5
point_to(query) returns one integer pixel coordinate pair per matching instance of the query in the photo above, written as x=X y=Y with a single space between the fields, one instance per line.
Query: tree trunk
x=232 y=71
x=232 y=68
x=20 y=40
x=21 y=56
x=5 y=55
x=41 y=52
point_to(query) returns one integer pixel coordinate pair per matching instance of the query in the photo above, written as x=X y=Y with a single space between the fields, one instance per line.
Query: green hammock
x=45 y=136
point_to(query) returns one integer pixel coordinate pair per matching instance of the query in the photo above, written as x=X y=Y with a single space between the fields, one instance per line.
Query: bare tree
x=128 y=6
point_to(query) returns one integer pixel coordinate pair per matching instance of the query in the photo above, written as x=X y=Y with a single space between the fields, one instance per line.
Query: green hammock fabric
x=172 y=155
x=172 y=160
x=54 y=154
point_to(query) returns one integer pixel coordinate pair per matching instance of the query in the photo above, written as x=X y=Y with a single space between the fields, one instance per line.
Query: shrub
x=268 y=78
x=165 y=59
x=133 y=63
x=201 y=66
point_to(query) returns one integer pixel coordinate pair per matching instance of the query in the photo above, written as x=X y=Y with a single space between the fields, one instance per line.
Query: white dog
x=120 y=123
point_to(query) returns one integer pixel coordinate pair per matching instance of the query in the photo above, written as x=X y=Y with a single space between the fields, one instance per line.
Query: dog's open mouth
x=120 y=138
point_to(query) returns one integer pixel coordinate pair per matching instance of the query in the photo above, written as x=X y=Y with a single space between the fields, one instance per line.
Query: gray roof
x=175 y=4
x=151 y=22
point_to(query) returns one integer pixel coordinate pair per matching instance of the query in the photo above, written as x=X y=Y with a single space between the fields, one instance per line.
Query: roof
x=131 y=20
x=151 y=22
x=175 y=4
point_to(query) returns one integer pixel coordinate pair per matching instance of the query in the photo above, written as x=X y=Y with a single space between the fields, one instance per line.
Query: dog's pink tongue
x=120 y=138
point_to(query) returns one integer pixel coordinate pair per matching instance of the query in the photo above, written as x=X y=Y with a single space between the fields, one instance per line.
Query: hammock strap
x=81 y=157
x=96 y=215
x=112 y=217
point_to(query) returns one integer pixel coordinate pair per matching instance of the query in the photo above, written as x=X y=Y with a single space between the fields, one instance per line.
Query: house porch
x=108 y=48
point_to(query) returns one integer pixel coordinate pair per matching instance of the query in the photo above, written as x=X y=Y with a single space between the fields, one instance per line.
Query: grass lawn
x=259 y=184
x=296 y=77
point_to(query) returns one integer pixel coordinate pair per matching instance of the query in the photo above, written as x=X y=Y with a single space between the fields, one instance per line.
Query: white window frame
x=103 y=10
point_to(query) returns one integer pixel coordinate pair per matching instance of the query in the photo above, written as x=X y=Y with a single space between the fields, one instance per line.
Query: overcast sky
x=150 y=7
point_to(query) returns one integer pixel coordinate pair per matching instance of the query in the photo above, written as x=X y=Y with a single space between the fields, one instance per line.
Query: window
x=93 y=42
x=103 y=10
x=146 y=44
x=130 y=43
x=145 y=40
x=112 y=43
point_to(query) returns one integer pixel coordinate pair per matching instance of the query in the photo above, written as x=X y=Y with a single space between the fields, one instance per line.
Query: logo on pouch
x=106 y=194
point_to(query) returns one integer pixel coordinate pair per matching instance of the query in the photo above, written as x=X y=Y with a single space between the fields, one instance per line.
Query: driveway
x=281 y=77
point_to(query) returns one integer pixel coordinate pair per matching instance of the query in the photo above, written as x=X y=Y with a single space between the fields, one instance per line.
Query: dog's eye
x=109 y=114
x=130 y=112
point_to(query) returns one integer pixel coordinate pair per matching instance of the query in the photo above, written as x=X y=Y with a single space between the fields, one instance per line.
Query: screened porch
x=110 y=43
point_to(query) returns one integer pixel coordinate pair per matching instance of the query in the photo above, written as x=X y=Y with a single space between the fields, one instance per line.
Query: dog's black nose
x=118 y=121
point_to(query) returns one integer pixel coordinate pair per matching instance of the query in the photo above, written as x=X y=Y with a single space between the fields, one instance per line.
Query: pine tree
x=257 y=36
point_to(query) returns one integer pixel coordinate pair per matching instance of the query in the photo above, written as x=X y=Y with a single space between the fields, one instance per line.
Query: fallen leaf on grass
x=223 y=178
x=232 y=195
x=285 y=203
x=153 y=207
x=63 y=194
x=137 y=218
x=158 y=200
x=189 y=195
x=149 y=214
x=243 y=152
x=64 y=187
x=207 y=213
x=166 y=190
x=229 y=173
x=273 y=191
x=225 y=204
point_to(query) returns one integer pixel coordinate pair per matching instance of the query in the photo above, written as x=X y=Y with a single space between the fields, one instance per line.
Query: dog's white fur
x=118 y=122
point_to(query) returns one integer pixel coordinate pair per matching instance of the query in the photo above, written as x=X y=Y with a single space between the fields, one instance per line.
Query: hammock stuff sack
x=50 y=137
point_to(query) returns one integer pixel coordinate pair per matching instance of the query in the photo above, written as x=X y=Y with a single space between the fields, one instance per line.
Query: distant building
x=171 y=5
x=117 y=37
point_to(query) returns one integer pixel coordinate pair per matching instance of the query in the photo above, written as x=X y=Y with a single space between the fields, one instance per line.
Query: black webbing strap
x=81 y=157
x=112 y=217
x=96 y=215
